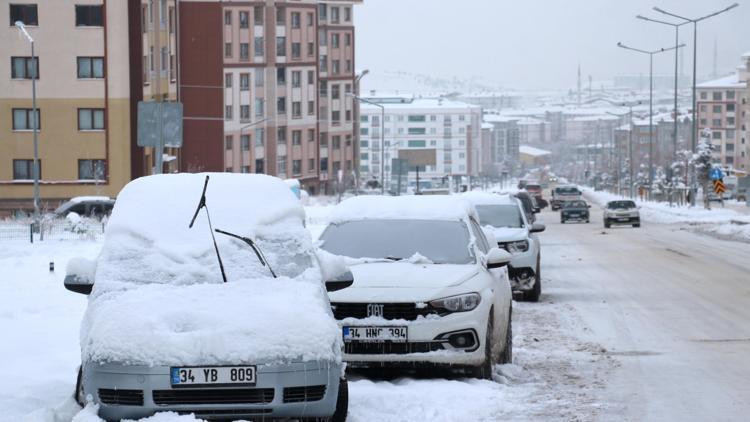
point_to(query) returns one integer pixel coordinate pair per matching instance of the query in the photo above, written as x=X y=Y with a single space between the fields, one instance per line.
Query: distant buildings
x=723 y=108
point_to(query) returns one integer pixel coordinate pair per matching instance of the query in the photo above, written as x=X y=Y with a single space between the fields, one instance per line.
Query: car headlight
x=518 y=247
x=460 y=303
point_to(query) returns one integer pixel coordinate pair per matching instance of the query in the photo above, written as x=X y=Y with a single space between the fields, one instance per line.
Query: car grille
x=214 y=396
x=121 y=397
x=223 y=413
x=303 y=394
x=405 y=311
x=384 y=348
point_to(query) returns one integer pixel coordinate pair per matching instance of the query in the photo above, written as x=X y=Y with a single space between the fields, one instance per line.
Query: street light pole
x=357 y=123
x=21 y=27
x=650 y=101
x=695 y=55
x=382 y=139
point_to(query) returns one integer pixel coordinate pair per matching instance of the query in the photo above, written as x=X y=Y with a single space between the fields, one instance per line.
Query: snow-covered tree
x=702 y=163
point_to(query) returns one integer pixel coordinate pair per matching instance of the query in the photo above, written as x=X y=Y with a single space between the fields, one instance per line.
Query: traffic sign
x=716 y=173
x=719 y=187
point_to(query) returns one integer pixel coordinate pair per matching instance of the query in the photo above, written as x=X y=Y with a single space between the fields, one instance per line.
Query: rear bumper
x=270 y=400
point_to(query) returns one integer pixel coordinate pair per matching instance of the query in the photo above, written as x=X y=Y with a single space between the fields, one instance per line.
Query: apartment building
x=83 y=96
x=722 y=108
x=449 y=131
x=503 y=153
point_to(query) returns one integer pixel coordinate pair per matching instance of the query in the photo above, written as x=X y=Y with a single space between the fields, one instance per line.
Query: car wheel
x=606 y=224
x=637 y=225
x=342 y=402
x=587 y=221
x=562 y=221
x=506 y=356
x=536 y=291
x=484 y=371
x=78 y=395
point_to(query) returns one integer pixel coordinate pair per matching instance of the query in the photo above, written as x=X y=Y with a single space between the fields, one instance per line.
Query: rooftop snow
x=731 y=81
x=535 y=152
x=418 y=103
x=483 y=198
x=79 y=199
x=403 y=207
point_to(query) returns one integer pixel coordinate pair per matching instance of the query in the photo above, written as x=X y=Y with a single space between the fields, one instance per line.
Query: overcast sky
x=539 y=43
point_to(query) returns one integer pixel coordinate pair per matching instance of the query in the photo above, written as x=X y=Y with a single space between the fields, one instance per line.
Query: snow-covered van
x=207 y=299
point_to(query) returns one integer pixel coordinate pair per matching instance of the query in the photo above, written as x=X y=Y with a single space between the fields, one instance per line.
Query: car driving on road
x=561 y=194
x=179 y=322
x=574 y=211
x=417 y=283
x=504 y=216
x=623 y=212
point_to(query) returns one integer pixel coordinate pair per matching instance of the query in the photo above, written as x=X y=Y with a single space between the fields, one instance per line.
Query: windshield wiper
x=393 y=258
x=202 y=204
x=254 y=246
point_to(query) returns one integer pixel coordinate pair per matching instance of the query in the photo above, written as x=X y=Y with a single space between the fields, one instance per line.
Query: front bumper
x=614 y=220
x=270 y=397
x=423 y=345
x=574 y=216
x=522 y=269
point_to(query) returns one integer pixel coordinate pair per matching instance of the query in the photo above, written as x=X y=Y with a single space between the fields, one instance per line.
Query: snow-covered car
x=236 y=327
x=574 y=211
x=87 y=206
x=503 y=216
x=623 y=212
x=561 y=194
x=413 y=280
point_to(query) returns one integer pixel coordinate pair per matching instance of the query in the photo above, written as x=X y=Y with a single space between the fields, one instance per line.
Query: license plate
x=375 y=334
x=622 y=219
x=198 y=376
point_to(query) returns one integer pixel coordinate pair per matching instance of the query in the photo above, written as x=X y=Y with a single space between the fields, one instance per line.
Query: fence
x=52 y=229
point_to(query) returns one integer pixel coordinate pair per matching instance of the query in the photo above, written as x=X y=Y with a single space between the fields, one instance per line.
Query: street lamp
x=650 y=102
x=382 y=138
x=676 y=27
x=357 y=146
x=21 y=27
x=695 y=53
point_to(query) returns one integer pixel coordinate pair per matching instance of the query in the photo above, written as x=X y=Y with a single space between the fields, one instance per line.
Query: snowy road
x=671 y=306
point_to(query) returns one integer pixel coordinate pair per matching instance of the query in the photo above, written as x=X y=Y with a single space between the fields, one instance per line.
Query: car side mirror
x=79 y=275
x=498 y=258
x=588 y=206
x=538 y=228
x=536 y=210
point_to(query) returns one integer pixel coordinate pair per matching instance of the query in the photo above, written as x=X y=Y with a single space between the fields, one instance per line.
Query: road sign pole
x=159 y=148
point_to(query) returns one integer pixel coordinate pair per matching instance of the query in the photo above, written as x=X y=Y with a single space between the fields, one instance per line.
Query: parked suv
x=87 y=206
x=417 y=282
x=179 y=322
x=505 y=218
x=621 y=213
x=562 y=194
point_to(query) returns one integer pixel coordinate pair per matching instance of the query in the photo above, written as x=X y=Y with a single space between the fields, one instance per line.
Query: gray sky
x=538 y=43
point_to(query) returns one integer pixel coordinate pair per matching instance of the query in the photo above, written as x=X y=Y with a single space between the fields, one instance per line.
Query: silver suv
x=623 y=212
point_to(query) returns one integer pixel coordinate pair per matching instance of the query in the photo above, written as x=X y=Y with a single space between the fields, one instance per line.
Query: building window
x=244 y=81
x=228 y=80
x=730 y=108
x=245 y=113
x=227 y=49
x=280 y=76
x=228 y=112
x=310 y=135
x=281 y=16
x=281 y=46
x=311 y=165
x=717 y=96
x=310 y=49
x=704 y=96
x=296 y=20
x=260 y=138
x=24 y=68
x=244 y=51
x=347 y=14
x=281 y=135
x=348 y=115
x=364 y=156
x=364 y=131
x=296 y=79
x=259 y=165
x=296 y=109
x=336 y=118
x=334 y=15
x=258 y=47
x=171 y=20
x=91 y=169
x=296 y=137
x=23 y=119
x=334 y=40
x=311 y=107
x=245 y=169
x=323 y=90
x=296 y=50
x=730 y=121
x=258 y=15
x=259 y=107
x=245 y=142
x=228 y=17
x=717 y=109
x=296 y=166
x=259 y=78
x=90 y=119
x=730 y=95
x=324 y=165
x=417 y=131
x=322 y=11
x=717 y=135
x=417 y=144
x=717 y=122
x=25 y=13
x=310 y=19
x=335 y=67
x=323 y=63
x=336 y=142
x=228 y=143
x=335 y=91
x=417 y=118
x=281 y=105
x=24 y=169
x=89 y=16
x=244 y=19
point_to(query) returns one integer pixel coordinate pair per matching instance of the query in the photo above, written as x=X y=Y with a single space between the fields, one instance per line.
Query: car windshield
x=566 y=191
x=500 y=215
x=442 y=242
x=575 y=204
x=533 y=188
x=621 y=205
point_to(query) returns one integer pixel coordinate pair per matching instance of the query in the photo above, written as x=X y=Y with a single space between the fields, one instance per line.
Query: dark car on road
x=529 y=204
x=574 y=211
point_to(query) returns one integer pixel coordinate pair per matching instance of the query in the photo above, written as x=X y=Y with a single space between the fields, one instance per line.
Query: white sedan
x=421 y=285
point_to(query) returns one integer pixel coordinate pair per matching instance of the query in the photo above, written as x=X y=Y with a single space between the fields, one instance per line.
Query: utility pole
x=35 y=113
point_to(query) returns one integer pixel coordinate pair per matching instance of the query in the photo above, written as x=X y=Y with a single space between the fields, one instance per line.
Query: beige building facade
x=82 y=100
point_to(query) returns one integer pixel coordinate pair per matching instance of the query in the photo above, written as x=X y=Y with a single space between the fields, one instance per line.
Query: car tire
x=637 y=225
x=484 y=371
x=506 y=356
x=342 y=402
x=562 y=221
x=587 y=221
x=78 y=395
x=536 y=291
x=606 y=224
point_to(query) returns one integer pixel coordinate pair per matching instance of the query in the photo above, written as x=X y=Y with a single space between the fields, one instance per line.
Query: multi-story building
x=448 y=131
x=505 y=142
x=83 y=101
x=723 y=109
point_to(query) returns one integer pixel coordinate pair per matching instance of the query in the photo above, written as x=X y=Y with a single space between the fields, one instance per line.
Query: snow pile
x=403 y=207
x=159 y=297
x=483 y=198
x=720 y=221
x=81 y=267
